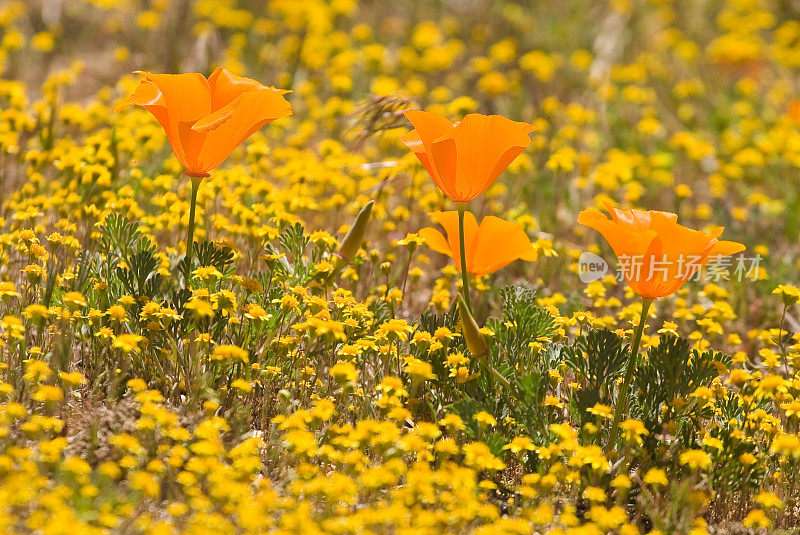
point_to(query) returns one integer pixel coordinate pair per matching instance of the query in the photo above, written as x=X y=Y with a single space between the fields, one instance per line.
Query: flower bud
x=471 y=332
x=352 y=240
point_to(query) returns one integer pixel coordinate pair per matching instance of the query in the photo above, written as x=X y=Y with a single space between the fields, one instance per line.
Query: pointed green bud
x=471 y=332
x=352 y=240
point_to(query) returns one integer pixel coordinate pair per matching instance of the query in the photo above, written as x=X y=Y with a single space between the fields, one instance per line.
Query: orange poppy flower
x=793 y=111
x=657 y=255
x=493 y=244
x=205 y=119
x=466 y=157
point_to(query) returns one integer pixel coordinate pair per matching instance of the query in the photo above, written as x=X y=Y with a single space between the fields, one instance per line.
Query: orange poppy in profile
x=466 y=157
x=493 y=244
x=657 y=255
x=205 y=119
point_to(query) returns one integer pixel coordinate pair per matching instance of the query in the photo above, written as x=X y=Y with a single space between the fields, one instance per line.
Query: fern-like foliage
x=121 y=237
x=141 y=278
x=671 y=372
x=523 y=323
x=206 y=254
x=294 y=241
x=597 y=359
x=515 y=355
x=429 y=322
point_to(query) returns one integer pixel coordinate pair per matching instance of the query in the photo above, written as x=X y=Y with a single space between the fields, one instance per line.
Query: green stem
x=499 y=376
x=405 y=279
x=622 y=398
x=462 y=207
x=190 y=233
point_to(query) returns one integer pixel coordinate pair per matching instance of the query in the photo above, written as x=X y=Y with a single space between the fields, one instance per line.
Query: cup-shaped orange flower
x=493 y=244
x=205 y=119
x=466 y=157
x=657 y=255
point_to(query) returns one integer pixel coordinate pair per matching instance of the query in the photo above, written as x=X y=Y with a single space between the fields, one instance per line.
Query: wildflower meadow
x=407 y=267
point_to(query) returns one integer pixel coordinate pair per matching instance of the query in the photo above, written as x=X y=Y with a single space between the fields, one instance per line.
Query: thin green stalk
x=405 y=279
x=622 y=398
x=784 y=355
x=462 y=207
x=499 y=376
x=190 y=233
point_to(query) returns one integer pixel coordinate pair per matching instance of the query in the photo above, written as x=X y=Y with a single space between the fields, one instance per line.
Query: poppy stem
x=190 y=233
x=462 y=207
x=622 y=398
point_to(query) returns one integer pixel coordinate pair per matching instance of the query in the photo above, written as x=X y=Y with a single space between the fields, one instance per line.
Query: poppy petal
x=726 y=248
x=414 y=142
x=637 y=220
x=498 y=243
x=444 y=159
x=186 y=97
x=449 y=220
x=435 y=240
x=487 y=144
x=226 y=86
x=226 y=128
x=510 y=137
x=146 y=95
x=216 y=118
x=680 y=241
x=428 y=127
x=623 y=241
